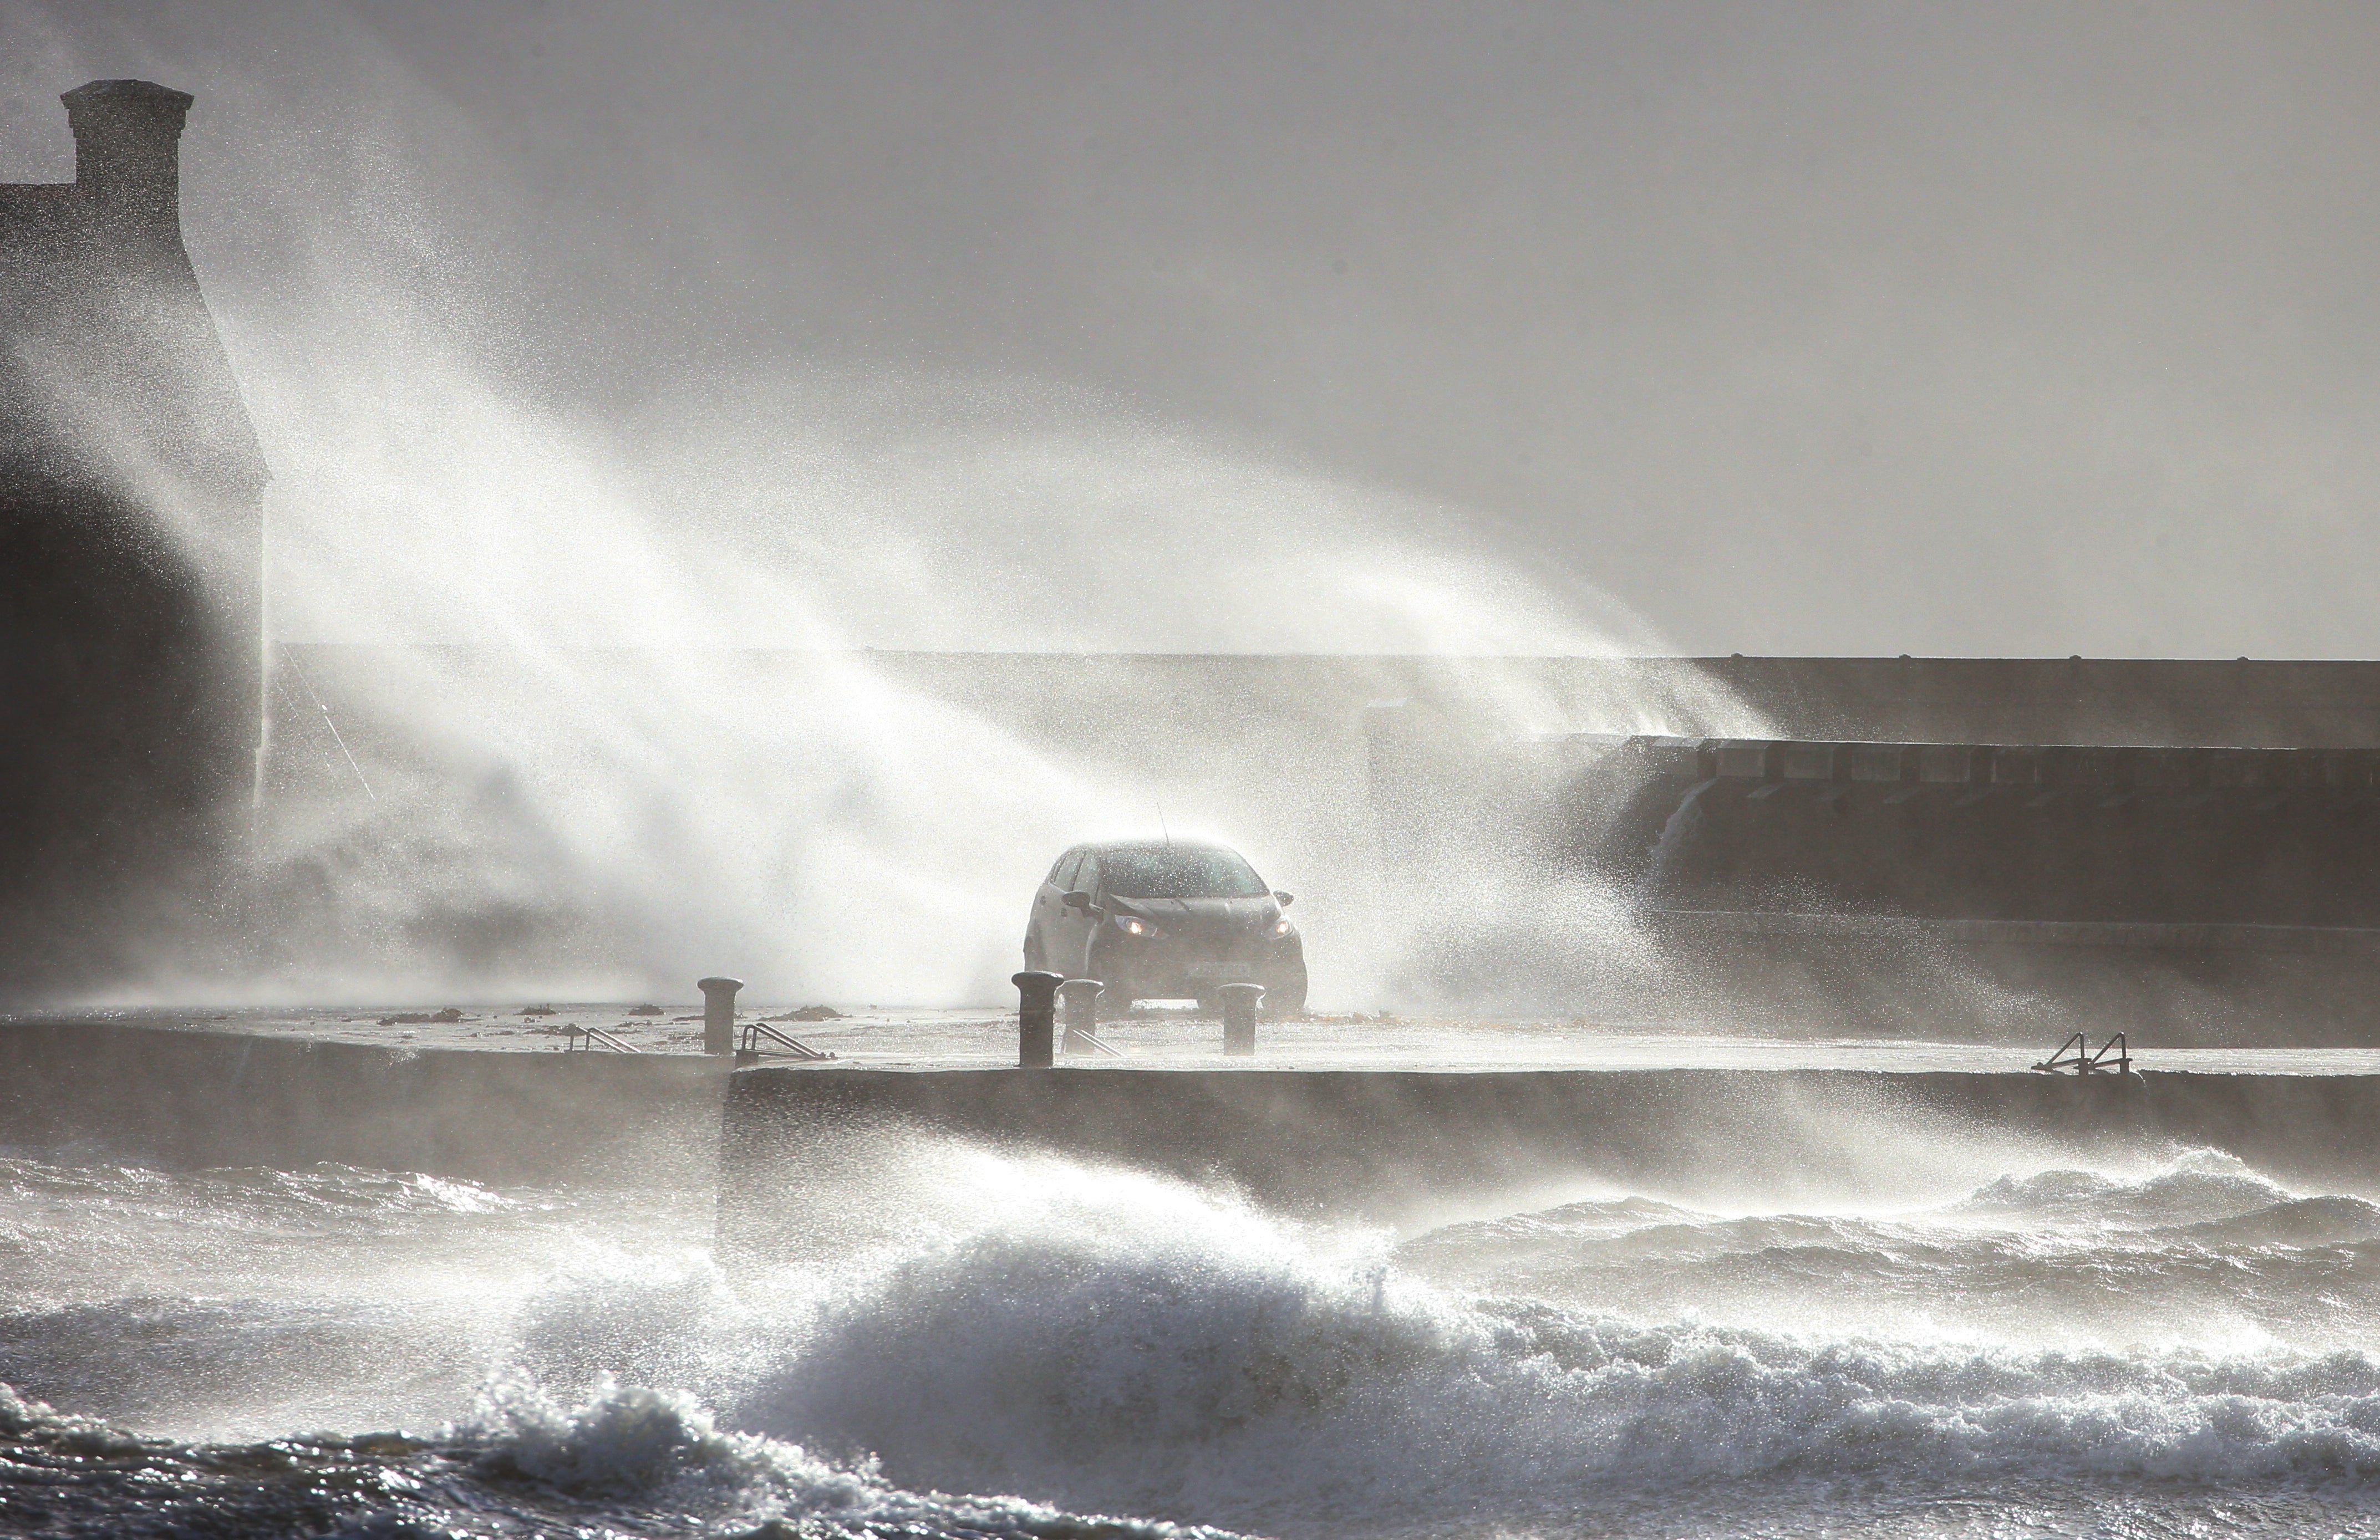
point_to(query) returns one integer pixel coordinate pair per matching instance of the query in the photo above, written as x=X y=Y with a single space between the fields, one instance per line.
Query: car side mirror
x=1080 y=900
x=1284 y=900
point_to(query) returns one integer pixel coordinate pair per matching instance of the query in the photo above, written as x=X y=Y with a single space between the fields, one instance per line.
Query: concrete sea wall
x=778 y=1142
x=185 y=1098
x=1392 y=1145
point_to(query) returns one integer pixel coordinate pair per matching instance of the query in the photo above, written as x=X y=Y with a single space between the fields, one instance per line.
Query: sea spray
x=1173 y=1362
x=1068 y=1340
x=630 y=1461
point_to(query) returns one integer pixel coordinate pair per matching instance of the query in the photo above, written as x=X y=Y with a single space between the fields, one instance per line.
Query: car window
x=1057 y=866
x=1163 y=871
x=1069 y=870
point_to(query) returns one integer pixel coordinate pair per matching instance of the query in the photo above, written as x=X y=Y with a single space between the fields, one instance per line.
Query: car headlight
x=1133 y=925
x=1281 y=928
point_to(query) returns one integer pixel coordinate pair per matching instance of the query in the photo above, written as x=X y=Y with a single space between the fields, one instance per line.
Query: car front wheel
x=1286 y=998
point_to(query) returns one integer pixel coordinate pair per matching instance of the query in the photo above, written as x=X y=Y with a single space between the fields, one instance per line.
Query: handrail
x=2058 y=1059
x=585 y=1038
x=1093 y=1040
x=2082 y=1060
x=795 y=1047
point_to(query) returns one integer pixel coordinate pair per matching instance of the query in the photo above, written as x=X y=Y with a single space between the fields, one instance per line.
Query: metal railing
x=585 y=1039
x=1078 y=1039
x=794 y=1047
x=2075 y=1056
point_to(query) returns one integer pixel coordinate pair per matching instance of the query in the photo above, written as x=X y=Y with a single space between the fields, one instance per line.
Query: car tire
x=1288 y=1000
x=1115 y=1000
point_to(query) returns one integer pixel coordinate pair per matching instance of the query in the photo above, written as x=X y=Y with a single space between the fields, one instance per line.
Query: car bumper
x=1157 y=975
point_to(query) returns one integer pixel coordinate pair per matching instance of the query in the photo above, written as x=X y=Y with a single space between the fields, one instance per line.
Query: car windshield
x=1178 y=871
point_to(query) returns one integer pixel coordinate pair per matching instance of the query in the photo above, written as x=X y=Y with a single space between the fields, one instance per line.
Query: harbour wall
x=185 y=1098
x=1392 y=1146
x=1380 y=1143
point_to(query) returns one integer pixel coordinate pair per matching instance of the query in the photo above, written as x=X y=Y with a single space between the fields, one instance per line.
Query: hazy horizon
x=1789 y=328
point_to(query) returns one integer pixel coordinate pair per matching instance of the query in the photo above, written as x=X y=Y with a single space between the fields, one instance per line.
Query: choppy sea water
x=992 y=1345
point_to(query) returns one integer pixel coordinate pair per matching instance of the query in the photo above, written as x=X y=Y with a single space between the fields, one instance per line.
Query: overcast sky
x=1798 y=328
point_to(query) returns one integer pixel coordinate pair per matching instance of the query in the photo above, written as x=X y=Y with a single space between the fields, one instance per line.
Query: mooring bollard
x=1240 y=1017
x=1081 y=999
x=1037 y=996
x=718 y=1013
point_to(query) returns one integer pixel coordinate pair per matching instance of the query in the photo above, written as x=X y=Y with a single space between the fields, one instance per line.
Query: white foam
x=1158 y=1356
x=663 y=1449
x=1091 y=1341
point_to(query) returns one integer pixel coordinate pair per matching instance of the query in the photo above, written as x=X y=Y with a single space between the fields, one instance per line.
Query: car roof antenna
x=1161 y=826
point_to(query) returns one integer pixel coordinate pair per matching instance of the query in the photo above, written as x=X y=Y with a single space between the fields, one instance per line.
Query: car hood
x=1200 y=912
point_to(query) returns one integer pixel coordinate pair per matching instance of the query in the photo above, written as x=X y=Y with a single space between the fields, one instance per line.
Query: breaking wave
x=654 y=1462
x=2200 y=1184
x=1201 y=1362
x=1072 y=1343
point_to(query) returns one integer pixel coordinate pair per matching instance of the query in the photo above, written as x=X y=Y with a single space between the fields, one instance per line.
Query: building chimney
x=127 y=136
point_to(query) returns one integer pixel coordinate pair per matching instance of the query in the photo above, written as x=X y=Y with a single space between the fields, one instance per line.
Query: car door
x=1039 y=910
x=1051 y=918
x=1073 y=932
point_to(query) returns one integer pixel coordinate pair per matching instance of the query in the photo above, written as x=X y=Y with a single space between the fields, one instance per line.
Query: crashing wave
x=1155 y=1367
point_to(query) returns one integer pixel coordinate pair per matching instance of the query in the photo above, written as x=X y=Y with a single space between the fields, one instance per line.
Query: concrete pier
x=1382 y=1144
x=185 y=1098
x=1388 y=1145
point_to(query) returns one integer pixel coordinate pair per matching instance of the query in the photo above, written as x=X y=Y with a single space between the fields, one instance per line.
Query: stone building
x=130 y=559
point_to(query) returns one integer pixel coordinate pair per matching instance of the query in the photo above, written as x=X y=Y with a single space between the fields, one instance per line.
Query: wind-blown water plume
x=691 y=801
x=584 y=774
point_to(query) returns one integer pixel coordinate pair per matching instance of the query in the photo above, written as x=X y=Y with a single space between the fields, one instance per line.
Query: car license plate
x=1219 y=970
